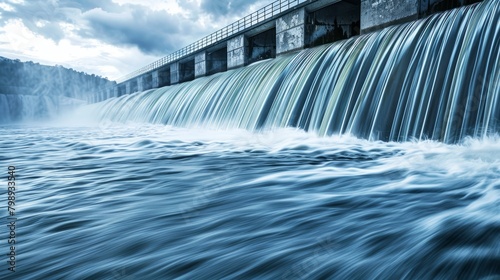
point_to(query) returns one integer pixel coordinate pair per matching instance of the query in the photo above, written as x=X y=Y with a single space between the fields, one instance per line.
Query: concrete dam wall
x=281 y=27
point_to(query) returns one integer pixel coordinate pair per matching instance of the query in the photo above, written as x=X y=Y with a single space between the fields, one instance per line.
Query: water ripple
x=160 y=204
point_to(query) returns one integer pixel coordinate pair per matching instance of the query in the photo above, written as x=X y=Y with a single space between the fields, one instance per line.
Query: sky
x=110 y=38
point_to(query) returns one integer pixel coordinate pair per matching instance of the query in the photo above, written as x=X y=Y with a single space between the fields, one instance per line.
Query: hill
x=30 y=91
x=31 y=78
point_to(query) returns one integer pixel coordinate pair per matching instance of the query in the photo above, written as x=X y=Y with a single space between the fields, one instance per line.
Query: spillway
x=436 y=78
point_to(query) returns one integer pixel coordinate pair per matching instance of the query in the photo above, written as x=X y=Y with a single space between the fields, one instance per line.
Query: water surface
x=157 y=202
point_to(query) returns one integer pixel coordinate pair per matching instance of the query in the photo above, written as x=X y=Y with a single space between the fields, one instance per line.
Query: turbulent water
x=157 y=202
x=276 y=170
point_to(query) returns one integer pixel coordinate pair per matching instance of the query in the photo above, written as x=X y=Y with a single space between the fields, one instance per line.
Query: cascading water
x=437 y=78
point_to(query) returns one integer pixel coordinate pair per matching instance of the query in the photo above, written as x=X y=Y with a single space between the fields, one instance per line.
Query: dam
x=281 y=27
x=435 y=78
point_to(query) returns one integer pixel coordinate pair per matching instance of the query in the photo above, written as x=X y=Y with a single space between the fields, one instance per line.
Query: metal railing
x=268 y=12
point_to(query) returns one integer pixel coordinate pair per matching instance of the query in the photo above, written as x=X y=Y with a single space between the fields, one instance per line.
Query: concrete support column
x=156 y=79
x=140 y=83
x=200 y=64
x=237 y=52
x=144 y=82
x=109 y=93
x=160 y=77
x=115 y=91
x=378 y=14
x=128 y=87
x=216 y=61
x=290 y=31
x=106 y=94
x=174 y=73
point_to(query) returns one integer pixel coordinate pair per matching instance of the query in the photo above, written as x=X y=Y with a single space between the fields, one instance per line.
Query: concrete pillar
x=262 y=46
x=147 y=82
x=156 y=79
x=140 y=83
x=200 y=64
x=216 y=61
x=120 y=89
x=174 y=73
x=160 y=77
x=128 y=87
x=186 y=70
x=237 y=52
x=144 y=82
x=109 y=93
x=115 y=91
x=290 y=31
x=378 y=14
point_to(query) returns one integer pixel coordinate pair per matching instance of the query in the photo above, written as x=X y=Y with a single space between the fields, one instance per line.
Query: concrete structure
x=332 y=23
x=271 y=31
x=237 y=52
x=128 y=87
x=262 y=46
x=141 y=83
x=160 y=78
x=200 y=64
x=216 y=60
x=174 y=73
x=182 y=71
x=186 y=70
x=281 y=27
x=377 y=14
x=290 y=31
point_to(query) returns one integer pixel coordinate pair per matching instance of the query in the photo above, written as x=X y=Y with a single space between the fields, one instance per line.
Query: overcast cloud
x=110 y=37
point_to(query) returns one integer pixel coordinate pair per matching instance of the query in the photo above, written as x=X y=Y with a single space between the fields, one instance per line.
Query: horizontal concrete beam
x=378 y=14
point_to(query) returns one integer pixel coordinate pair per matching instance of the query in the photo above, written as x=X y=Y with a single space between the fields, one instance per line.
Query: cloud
x=37 y=17
x=126 y=23
x=77 y=32
x=153 y=32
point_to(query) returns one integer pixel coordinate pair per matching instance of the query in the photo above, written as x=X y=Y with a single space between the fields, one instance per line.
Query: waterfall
x=27 y=107
x=436 y=78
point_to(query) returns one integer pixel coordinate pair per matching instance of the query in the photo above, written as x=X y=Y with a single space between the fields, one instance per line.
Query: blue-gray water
x=155 y=202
